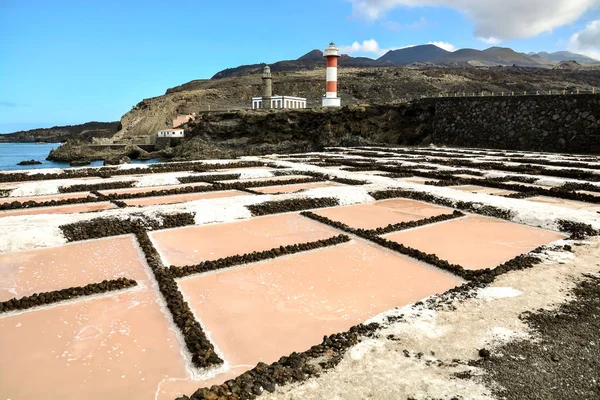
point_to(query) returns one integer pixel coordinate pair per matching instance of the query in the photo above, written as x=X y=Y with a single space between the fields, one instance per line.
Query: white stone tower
x=267 y=88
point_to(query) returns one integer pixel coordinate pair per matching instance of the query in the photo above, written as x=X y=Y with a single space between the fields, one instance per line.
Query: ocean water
x=12 y=153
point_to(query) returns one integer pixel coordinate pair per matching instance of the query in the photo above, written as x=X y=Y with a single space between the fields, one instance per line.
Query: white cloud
x=367 y=46
x=444 y=45
x=493 y=20
x=371 y=46
x=490 y=40
x=587 y=41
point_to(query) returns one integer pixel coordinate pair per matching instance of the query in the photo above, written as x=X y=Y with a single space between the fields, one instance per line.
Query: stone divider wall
x=569 y=123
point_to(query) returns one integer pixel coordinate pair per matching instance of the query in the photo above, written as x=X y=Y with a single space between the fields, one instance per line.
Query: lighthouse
x=331 y=54
x=268 y=101
x=267 y=87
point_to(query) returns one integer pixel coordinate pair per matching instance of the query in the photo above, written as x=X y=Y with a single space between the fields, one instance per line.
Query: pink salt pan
x=382 y=213
x=64 y=196
x=77 y=264
x=70 y=209
x=272 y=178
x=267 y=310
x=207 y=166
x=145 y=173
x=13 y=185
x=182 y=198
x=418 y=180
x=576 y=205
x=371 y=173
x=149 y=189
x=525 y=184
x=482 y=189
x=191 y=245
x=118 y=347
x=293 y=188
x=87 y=178
x=597 y=194
x=467 y=176
x=475 y=242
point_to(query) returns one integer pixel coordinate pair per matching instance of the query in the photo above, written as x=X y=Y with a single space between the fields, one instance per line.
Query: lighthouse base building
x=331 y=101
x=268 y=101
x=280 y=102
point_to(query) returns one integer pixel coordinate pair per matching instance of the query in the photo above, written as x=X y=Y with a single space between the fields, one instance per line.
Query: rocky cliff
x=260 y=132
x=569 y=123
x=356 y=86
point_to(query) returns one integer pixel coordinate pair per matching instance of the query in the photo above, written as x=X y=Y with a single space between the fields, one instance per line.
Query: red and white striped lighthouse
x=331 y=54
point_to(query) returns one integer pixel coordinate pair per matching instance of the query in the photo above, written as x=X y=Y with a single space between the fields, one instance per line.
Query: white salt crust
x=31 y=231
x=161 y=179
x=44 y=171
x=132 y=166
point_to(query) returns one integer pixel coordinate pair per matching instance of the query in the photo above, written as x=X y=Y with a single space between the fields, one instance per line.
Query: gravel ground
x=564 y=361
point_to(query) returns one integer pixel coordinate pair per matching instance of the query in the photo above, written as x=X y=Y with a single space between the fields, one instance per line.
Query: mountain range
x=423 y=55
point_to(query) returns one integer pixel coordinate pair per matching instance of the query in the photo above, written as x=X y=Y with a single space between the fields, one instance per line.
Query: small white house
x=170 y=133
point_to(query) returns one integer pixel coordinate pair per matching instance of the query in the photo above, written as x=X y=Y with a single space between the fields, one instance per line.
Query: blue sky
x=67 y=62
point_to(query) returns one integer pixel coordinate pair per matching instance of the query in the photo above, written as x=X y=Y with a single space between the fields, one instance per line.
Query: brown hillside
x=356 y=86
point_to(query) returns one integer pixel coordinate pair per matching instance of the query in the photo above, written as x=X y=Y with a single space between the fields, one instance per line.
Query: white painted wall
x=177 y=133
x=280 y=102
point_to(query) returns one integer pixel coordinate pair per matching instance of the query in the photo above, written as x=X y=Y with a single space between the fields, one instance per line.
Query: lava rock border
x=57 y=296
x=283 y=206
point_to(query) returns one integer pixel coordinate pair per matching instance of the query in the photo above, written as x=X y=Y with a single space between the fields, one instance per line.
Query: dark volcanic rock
x=39 y=299
x=484 y=353
x=96 y=186
x=275 y=207
x=79 y=163
x=564 y=360
x=136 y=153
x=29 y=162
x=73 y=150
x=117 y=160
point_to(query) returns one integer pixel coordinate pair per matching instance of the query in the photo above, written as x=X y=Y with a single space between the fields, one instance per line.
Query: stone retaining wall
x=561 y=123
x=569 y=123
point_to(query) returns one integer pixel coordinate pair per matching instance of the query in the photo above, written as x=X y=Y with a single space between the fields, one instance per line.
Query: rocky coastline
x=565 y=123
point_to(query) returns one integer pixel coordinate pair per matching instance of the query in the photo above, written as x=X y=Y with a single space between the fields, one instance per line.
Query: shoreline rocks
x=116 y=160
x=73 y=150
x=79 y=163
x=29 y=162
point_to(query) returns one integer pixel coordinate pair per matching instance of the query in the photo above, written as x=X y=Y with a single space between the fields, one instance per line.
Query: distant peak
x=312 y=55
